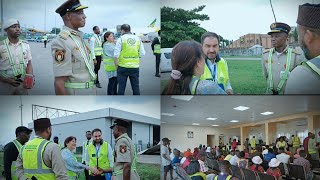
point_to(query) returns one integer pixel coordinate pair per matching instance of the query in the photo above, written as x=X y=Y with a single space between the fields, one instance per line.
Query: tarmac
x=43 y=70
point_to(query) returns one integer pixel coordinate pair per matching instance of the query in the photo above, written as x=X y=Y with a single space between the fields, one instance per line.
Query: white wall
x=140 y=131
x=178 y=135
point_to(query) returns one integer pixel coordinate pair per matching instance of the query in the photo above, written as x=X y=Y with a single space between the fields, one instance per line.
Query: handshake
x=96 y=171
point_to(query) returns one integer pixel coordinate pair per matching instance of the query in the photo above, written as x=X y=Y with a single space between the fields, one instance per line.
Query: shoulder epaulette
x=296 y=52
x=266 y=50
x=64 y=35
x=24 y=41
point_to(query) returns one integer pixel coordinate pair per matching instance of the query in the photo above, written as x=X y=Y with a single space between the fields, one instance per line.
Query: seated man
x=282 y=156
x=302 y=161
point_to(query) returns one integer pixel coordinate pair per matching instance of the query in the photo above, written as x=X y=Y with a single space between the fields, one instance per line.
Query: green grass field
x=245 y=75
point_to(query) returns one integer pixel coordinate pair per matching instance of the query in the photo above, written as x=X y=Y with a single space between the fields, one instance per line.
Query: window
x=190 y=134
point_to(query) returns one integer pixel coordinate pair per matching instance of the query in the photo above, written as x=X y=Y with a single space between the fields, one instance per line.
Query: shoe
x=157 y=75
x=98 y=85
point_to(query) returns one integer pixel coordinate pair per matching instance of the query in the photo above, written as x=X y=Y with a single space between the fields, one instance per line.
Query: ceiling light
x=184 y=98
x=167 y=114
x=266 y=113
x=195 y=124
x=211 y=119
x=241 y=108
x=215 y=125
x=234 y=121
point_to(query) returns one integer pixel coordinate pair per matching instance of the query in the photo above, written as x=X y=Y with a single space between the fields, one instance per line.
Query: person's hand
x=13 y=82
x=94 y=170
x=95 y=61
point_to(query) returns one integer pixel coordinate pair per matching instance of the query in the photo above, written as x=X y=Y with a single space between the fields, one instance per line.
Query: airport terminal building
x=144 y=130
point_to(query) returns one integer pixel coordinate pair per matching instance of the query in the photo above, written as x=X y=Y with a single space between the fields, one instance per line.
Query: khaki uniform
x=18 y=51
x=68 y=61
x=124 y=151
x=279 y=65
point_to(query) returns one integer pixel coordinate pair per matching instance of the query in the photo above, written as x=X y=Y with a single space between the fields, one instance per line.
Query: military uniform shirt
x=68 y=61
x=278 y=65
x=123 y=153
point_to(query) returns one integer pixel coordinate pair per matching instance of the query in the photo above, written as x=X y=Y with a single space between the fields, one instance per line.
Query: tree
x=55 y=30
x=295 y=35
x=179 y=24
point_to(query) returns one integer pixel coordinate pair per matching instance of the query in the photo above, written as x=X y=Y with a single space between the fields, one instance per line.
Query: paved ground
x=149 y=159
x=43 y=71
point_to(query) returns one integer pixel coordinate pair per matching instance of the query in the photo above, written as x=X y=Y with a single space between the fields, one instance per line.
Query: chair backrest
x=210 y=163
x=248 y=174
x=235 y=170
x=314 y=163
x=265 y=165
x=196 y=178
x=181 y=172
x=216 y=165
x=283 y=169
x=297 y=171
x=263 y=176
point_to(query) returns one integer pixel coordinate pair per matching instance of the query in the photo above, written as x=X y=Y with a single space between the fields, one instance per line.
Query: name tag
x=93 y=155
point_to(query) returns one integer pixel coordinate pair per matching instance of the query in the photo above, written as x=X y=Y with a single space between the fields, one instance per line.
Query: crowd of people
x=255 y=156
x=40 y=158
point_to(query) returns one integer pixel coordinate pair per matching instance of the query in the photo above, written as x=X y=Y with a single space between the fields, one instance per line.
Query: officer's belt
x=85 y=85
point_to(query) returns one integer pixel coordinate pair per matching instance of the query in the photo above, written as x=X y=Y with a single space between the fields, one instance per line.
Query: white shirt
x=233 y=160
x=213 y=68
x=165 y=151
x=93 y=39
x=110 y=153
x=264 y=152
x=284 y=158
x=117 y=49
x=84 y=151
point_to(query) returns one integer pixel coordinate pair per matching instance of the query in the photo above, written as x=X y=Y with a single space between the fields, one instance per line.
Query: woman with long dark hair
x=108 y=60
x=188 y=65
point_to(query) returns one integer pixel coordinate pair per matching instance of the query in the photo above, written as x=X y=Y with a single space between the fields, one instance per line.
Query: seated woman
x=73 y=166
x=256 y=164
x=274 y=169
x=188 y=65
x=193 y=169
x=243 y=162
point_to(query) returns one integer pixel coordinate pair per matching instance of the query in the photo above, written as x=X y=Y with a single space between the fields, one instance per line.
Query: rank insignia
x=59 y=56
x=123 y=149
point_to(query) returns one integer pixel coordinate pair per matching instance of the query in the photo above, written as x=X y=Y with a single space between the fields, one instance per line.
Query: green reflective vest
x=253 y=142
x=129 y=55
x=97 y=46
x=13 y=165
x=108 y=63
x=101 y=159
x=282 y=144
x=295 y=141
x=72 y=175
x=222 y=73
x=228 y=177
x=157 y=48
x=33 y=164
x=45 y=38
x=313 y=64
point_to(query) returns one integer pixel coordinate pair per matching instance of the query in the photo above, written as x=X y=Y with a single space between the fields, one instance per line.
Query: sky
x=103 y=13
x=234 y=18
x=10 y=111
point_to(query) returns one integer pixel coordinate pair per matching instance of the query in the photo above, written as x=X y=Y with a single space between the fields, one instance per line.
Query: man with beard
x=16 y=72
x=279 y=61
x=305 y=79
x=216 y=68
x=11 y=151
x=125 y=157
x=84 y=154
x=40 y=158
x=99 y=153
x=72 y=65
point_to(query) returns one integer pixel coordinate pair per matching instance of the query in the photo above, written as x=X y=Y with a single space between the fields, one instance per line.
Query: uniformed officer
x=127 y=53
x=72 y=66
x=100 y=155
x=16 y=72
x=156 y=48
x=125 y=158
x=40 y=158
x=96 y=49
x=11 y=152
x=84 y=152
x=305 y=79
x=279 y=61
x=45 y=40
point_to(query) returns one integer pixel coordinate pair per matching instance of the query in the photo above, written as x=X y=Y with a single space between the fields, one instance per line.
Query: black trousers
x=45 y=43
x=86 y=173
x=97 y=177
x=97 y=68
x=158 y=58
x=112 y=86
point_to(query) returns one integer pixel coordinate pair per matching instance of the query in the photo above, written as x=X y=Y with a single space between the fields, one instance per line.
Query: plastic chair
x=297 y=172
x=215 y=164
x=181 y=172
x=248 y=174
x=263 y=176
x=235 y=170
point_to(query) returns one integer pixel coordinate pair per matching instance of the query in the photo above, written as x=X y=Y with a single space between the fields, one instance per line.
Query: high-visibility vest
x=33 y=164
x=295 y=141
x=253 y=142
x=13 y=165
x=282 y=144
x=157 y=48
x=72 y=175
x=133 y=162
x=284 y=77
x=222 y=73
x=313 y=64
x=129 y=55
x=228 y=177
x=45 y=38
x=101 y=160
x=108 y=63
x=97 y=46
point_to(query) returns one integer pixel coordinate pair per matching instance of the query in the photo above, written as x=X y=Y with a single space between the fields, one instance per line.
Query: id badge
x=282 y=73
x=93 y=155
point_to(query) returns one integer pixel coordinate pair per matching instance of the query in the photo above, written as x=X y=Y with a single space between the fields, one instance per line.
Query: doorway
x=210 y=140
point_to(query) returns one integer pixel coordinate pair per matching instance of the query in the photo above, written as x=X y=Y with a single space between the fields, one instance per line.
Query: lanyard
x=83 y=53
x=214 y=72
x=12 y=62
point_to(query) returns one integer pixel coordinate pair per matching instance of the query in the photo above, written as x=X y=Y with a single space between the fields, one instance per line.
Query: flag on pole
x=153 y=23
